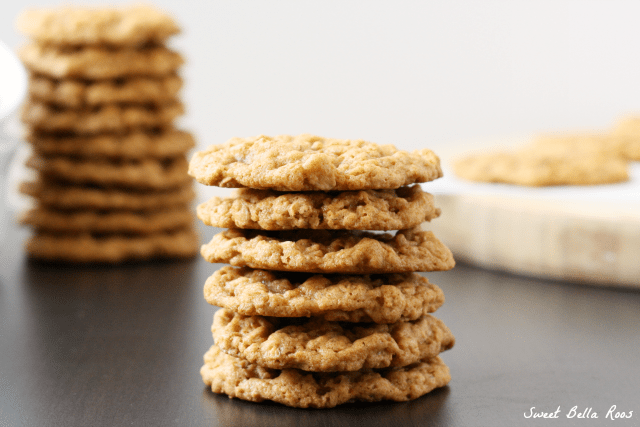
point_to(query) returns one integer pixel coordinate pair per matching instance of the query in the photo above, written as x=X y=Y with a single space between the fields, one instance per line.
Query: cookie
x=64 y=196
x=112 y=248
x=385 y=298
x=164 y=144
x=627 y=131
x=571 y=143
x=321 y=251
x=77 y=93
x=54 y=220
x=320 y=346
x=132 y=25
x=238 y=378
x=398 y=209
x=103 y=118
x=88 y=62
x=311 y=163
x=141 y=174
x=536 y=168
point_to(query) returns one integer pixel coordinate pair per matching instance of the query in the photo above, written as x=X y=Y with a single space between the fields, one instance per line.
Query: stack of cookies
x=320 y=307
x=111 y=167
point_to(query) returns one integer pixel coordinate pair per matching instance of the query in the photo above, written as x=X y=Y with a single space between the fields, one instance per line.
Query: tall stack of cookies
x=319 y=307
x=111 y=167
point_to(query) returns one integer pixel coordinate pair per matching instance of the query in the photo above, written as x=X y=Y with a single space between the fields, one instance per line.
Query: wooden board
x=564 y=240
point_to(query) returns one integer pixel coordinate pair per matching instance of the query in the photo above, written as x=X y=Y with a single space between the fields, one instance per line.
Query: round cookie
x=537 y=168
x=57 y=221
x=65 y=196
x=627 y=132
x=385 y=298
x=104 y=118
x=321 y=251
x=131 y=25
x=112 y=248
x=239 y=378
x=146 y=173
x=311 y=163
x=398 y=209
x=320 y=346
x=135 y=145
x=91 y=63
x=77 y=93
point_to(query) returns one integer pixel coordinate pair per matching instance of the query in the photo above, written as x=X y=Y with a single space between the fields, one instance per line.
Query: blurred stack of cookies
x=111 y=167
x=320 y=307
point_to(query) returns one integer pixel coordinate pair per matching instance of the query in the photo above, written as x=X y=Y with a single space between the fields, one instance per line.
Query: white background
x=414 y=74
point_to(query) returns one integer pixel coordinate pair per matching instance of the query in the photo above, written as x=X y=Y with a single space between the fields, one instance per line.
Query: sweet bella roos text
x=612 y=413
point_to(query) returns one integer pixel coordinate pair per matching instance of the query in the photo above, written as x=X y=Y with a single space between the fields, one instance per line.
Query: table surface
x=123 y=345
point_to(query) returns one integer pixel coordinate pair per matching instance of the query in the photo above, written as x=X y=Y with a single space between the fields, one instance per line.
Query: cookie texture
x=89 y=62
x=59 y=195
x=385 y=298
x=132 y=25
x=145 y=173
x=321 y=251
x=238 y=378
x=321 y=346
x=398 y=209
x=110 y=221
x=104 y=118
x=112 y=248
x=536 y=168
x=78 y=93
x=138 y=144
x=311 y=163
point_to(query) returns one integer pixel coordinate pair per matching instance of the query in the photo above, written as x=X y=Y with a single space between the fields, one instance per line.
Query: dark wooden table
x=112 y=346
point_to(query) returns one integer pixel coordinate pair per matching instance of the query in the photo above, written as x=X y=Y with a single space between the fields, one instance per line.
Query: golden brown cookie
x=568 y=144
x=103 y=118
x=398 y=209
x=536 y=168
x=311 y=163
x=238 y=378
x=112 y=248
x=163 y=144
x=88 y=62
x=131 y=25
x=142 y=174
x=321 y=251
x=93 y=221
x=320 y=346
x=59 y=195
x=76 y=93
x=384 y=298
x=627 y=131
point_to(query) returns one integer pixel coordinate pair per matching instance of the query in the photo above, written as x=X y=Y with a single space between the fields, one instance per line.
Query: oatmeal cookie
x=537 y=168
x=93 y=221
x=92 y=63
x=60 y=195
x=321 y=251
x=132 y=25
x=79 y=93
x=398 y=209
x=627 y=131
x=103 y=118
x=238 y=378
x=311 y=163
x=134 y=145
x=112 y=248
x=384 y=298
x=320 y=346
x=146 y=173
